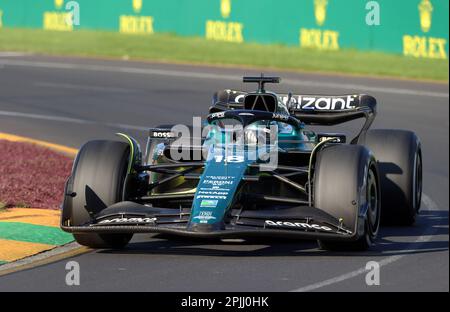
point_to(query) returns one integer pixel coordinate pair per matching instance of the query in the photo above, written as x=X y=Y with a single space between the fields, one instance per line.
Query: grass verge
x=168 y=47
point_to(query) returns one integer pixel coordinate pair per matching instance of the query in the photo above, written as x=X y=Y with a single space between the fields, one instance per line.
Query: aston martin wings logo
x=225 y=8
x=425 y=10
x=320 y=11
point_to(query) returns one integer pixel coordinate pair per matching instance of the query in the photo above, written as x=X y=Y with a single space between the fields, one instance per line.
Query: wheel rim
x=373 y=211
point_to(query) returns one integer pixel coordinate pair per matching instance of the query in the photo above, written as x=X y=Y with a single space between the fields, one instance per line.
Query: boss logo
x=162 y=134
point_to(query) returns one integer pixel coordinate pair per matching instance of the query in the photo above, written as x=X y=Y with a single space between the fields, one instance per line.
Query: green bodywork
x=227 y=164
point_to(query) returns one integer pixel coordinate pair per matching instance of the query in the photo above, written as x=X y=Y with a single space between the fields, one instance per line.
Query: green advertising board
x=416 y=28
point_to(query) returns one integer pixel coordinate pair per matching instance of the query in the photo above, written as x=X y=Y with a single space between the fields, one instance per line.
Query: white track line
x=428 y=202
x=12 y=54
x=71 y=120
x=81 y=87
x=203 y=75
x=45 y=117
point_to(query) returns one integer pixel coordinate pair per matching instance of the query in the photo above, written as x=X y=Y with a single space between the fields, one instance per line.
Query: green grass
x=168 y=47
x=26 y=232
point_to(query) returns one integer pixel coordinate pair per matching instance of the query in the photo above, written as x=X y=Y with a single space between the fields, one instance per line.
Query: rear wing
x=330 y=110
x=311 y=109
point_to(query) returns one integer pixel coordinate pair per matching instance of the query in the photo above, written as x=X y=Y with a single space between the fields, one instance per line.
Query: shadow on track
x=392 y=241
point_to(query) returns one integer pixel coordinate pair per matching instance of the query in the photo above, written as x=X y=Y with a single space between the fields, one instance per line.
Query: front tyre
x=346 y=185
x=96 y=182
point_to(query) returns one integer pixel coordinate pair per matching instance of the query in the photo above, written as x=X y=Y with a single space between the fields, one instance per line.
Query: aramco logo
x=425 y=12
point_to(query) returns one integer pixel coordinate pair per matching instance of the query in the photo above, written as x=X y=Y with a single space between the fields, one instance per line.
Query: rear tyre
x=97 y=181
x=346 y=185
x=399 y=158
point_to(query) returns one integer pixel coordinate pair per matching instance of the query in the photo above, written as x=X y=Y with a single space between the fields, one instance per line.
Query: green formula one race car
x=256 y=169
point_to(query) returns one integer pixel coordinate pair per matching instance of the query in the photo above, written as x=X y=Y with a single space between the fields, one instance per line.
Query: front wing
x=301 y=222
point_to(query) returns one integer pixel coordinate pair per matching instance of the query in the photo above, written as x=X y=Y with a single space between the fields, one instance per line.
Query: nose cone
x=216 y=193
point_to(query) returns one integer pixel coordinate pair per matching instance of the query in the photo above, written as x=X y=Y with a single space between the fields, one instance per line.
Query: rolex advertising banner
x=416 y=28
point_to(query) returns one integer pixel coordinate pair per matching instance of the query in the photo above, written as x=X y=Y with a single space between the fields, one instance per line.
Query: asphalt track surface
x=69 y=101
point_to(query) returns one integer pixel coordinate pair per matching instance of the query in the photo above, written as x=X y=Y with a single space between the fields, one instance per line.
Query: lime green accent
x=191 y=191
x=165 y=47
x=130 y=141
x=2 y=262
x=26 y=232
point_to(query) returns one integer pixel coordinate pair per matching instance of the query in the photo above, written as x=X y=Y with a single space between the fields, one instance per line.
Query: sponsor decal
x=217 y=115
x=246 y=114
x=317 y=38
x=282 y=117
x=221 y=30
x=58 y=20
x=218 y=182
x=225 y=8
x=162 y=134
x=240 y=98
x=336 y=138
x=320 y=11
x=229 y=158
x=205 y=216
x=128 y=220
x=136 y=24
x=301 y=225
x=137 y=6
x=209 y=203
x=323 y=103
x=425 y=12
x=422 y=46
x=211 y=195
